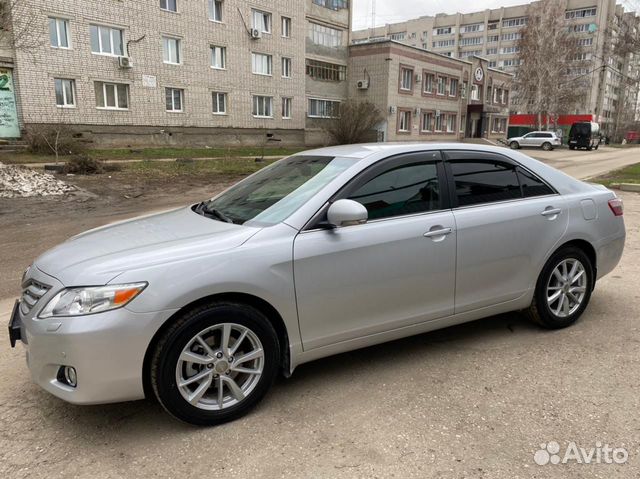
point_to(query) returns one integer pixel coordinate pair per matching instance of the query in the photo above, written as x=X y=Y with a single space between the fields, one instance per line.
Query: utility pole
x=373 y=14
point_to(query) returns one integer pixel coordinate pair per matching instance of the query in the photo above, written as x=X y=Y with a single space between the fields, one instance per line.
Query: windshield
x=272 y=194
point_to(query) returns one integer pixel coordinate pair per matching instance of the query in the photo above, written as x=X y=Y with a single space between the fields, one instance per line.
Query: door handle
x=438 y=232
x=551 y=212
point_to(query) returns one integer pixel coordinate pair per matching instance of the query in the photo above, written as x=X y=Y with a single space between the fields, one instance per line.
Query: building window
x=169 y=5
x=261 y=21
x=325 y=36
x=174 y=99
x=451 y=123
x=463 y=121
x=406 y=79
x=171 y=50
x=261 y=64
x=106 y=40
x=326 y=71
x=444 y=43
x=323 y=108
x=286 y=27
x=65 y=93
x=453 y=87
x=499 y=125
x=463 y=90
x=286 y=108
x=475 y=92
x=59 y=33
x=219 y=103
x=112 y=96
x=398 y=37
x=332 y=4
x=438 y=122
x=477 y=27
x=442 y=85
x=582 y=13
x=429 y=80
x=286 y=67
x=444 y=31
x=492 y=51
x=263 y=106
x=427 y=121
x=404 y=121
x=215 y=10
x=470 y=41
x=514 y=22
x=493 y=38
x=508 y=37
x=218 y=57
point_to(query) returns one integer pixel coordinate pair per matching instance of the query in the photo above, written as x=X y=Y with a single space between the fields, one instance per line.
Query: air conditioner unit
x=256 y=34
x=125 y=62
x=392 y=110
x=363 y=84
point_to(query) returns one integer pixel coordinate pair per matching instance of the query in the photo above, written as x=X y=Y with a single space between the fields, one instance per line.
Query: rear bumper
x=107 y=351
x=608 y=253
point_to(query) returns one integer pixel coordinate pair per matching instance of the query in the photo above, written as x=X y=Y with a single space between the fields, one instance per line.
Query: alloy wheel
x=220 y=366
x=566 y=288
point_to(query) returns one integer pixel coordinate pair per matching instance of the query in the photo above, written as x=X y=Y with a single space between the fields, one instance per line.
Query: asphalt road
x=472 y=401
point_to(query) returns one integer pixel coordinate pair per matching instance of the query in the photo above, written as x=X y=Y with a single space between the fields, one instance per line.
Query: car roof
x=364 y=150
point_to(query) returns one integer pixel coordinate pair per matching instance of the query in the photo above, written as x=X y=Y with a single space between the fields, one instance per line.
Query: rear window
x=484 y=182
x=479 y=182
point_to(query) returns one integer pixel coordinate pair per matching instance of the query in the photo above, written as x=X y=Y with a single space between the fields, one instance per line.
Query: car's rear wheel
x=563 y=289
x=546 y=146
x=514 y=145
x=215 y=363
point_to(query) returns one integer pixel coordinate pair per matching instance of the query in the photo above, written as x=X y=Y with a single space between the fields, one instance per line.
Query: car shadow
x=148 y=417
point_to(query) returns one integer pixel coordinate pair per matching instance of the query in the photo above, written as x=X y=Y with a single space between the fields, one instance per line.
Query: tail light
x=616 y=206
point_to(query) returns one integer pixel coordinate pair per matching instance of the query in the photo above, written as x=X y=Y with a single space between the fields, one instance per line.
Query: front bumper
x=106 y=349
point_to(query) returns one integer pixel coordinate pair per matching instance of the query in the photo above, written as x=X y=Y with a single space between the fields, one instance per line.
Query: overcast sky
x=391 y=11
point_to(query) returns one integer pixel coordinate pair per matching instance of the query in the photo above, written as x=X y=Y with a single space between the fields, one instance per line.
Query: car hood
x=99 y=255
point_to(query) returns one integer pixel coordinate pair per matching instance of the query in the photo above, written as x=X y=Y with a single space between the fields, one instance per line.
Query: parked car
x=547 y=140
x=320 y=253
x=584 y=134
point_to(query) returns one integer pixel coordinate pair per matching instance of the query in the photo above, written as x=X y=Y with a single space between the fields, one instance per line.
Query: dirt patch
x=31 y=225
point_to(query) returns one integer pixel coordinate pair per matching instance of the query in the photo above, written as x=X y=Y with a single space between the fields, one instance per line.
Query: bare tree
x=18 y=28
x=354 y=122
x=546 y=81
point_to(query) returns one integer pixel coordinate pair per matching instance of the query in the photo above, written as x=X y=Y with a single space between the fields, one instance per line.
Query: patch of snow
x=19 y=181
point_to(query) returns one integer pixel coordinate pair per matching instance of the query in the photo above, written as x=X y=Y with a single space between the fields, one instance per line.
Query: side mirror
x=346 y=213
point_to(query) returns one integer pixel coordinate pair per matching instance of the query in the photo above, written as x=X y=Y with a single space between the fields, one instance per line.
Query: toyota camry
x=319 y=253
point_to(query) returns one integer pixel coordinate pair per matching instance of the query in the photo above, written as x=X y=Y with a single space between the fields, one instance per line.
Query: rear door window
x=532 y=185
x=484 y=181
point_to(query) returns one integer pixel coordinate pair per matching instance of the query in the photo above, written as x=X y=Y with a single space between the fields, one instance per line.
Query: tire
x=552 y=314
x=572 y=147
x=546 y=146
x=588 y=148
x=514 y=145
x=209 y=323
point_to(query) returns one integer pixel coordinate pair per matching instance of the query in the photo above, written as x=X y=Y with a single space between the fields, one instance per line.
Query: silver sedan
x=323 y=252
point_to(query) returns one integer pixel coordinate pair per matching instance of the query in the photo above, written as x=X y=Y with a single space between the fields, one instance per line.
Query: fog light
x=70 y=376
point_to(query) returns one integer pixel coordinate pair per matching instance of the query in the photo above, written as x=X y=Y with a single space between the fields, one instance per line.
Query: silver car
x=323 y=252
x=547 y=140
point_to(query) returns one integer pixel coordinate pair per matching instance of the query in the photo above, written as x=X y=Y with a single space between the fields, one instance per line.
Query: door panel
x=360 y=280
x=501 y=246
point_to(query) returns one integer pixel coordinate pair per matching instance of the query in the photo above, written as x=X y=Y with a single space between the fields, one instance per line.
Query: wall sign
x=479 y=74
x=9 y=127
x=149 y=81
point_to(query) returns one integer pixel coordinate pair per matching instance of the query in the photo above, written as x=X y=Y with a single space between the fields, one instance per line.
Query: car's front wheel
x=215 y=363
x=563 y=289
x=514 y=145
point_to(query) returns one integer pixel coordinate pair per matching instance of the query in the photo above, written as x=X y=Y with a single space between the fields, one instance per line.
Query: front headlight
x=90 y=300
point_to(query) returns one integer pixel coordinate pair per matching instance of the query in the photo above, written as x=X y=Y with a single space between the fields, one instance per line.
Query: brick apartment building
x=197 y=72
x=494 y=33
x=427 y=96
